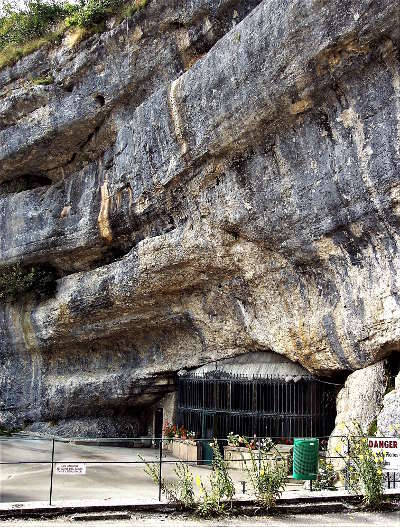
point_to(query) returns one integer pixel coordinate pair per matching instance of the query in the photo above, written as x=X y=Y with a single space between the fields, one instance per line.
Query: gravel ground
x=387 y=519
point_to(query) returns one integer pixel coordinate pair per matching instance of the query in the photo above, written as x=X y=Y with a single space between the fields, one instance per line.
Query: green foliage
x=326 y=476
x=131 y=8
x=12 y=53
x=24 y=31
x=92 y=13
x=364 y=467
x=183 y=488
x=41 y=22
x=43 y=81
x=267 y=473
x=214 y=496
x=373 y=427
x=38 y=18
x=17 y=280
x=180 y=492
x=213 y=500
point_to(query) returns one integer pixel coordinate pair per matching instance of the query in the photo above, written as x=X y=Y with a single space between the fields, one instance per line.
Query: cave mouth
x=259 y=393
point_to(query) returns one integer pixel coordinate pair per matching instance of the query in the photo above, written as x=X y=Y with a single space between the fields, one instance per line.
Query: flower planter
x=185 y=450
x=239 y=456
x=167 y=445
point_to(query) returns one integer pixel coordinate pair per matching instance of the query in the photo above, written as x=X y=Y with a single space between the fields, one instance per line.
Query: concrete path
x=358 y=519
x=102 y=481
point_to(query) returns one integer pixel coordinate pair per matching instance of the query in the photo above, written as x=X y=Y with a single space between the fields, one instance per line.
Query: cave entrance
x=274 y=398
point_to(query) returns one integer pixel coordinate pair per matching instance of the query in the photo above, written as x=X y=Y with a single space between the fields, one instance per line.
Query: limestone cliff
x=208 y=178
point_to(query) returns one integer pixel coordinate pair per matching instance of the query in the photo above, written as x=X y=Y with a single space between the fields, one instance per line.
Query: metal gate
x=216 y=403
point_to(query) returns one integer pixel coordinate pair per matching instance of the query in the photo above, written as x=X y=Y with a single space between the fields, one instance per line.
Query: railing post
x=160 y=470
x=52 y=470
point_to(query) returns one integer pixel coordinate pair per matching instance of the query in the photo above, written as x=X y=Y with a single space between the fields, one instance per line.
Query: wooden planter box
x=167 y=445
x=185 y=450
x=239 y=456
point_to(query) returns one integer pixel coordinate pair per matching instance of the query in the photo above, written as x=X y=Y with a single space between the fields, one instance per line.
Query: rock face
x=358 y=404
x=209 y=179
x=369 y=399
x=388 y=420
x=361 y=399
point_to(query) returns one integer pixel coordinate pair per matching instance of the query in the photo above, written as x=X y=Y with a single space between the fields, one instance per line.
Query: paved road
x=147 y=520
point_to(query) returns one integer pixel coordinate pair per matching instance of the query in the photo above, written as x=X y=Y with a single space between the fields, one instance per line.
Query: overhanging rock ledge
x=208 y=180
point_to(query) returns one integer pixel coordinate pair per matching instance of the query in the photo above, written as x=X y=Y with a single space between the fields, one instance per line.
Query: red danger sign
x=389 y=448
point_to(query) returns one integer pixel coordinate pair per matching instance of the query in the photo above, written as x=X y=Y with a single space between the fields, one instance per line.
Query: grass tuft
x=43 y=81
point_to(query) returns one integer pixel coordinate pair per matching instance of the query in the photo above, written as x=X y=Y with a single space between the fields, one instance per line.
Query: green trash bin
x=305 y=458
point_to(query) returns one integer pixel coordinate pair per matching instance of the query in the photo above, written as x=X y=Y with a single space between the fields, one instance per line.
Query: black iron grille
x=216 y=403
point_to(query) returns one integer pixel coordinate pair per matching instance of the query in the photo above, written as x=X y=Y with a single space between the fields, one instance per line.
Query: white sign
x=391 y=449
x=72 y=469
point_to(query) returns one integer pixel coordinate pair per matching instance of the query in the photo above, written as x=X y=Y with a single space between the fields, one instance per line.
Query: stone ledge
x=291 y=502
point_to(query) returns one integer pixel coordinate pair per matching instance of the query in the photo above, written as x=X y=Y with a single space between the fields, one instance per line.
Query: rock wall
x=388 y=419
x=211 y=178
x=358 y=405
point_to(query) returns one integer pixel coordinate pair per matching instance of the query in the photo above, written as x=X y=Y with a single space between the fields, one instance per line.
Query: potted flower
x=184 y=445
x=169 y=431
x=181 y=433
x=238 y=447
x=233 y=439
x=191 y=435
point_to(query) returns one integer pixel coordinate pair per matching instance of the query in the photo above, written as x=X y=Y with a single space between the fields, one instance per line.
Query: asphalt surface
x=391 y=519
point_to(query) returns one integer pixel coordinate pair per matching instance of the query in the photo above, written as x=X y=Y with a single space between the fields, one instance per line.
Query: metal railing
x=157 y=444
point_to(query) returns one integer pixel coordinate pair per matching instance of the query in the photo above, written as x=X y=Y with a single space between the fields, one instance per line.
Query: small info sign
x=71 y=468
x=390 y=448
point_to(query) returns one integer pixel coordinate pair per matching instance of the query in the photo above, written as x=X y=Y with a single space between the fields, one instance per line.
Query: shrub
x=181 y=492
x=364 y=469
x=213 y=497
x=17 y=280
x=183 y=489
x=267 y=476
x=41 y=22
x=24 y=31
x=92 y=13
x=222 y=490
x=39 y=18
x=12 y=53
x=326 y=477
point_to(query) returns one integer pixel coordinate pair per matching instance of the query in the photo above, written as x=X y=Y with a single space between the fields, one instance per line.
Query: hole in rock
x=100 y=100
x=23 y=183
x=392 y=370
